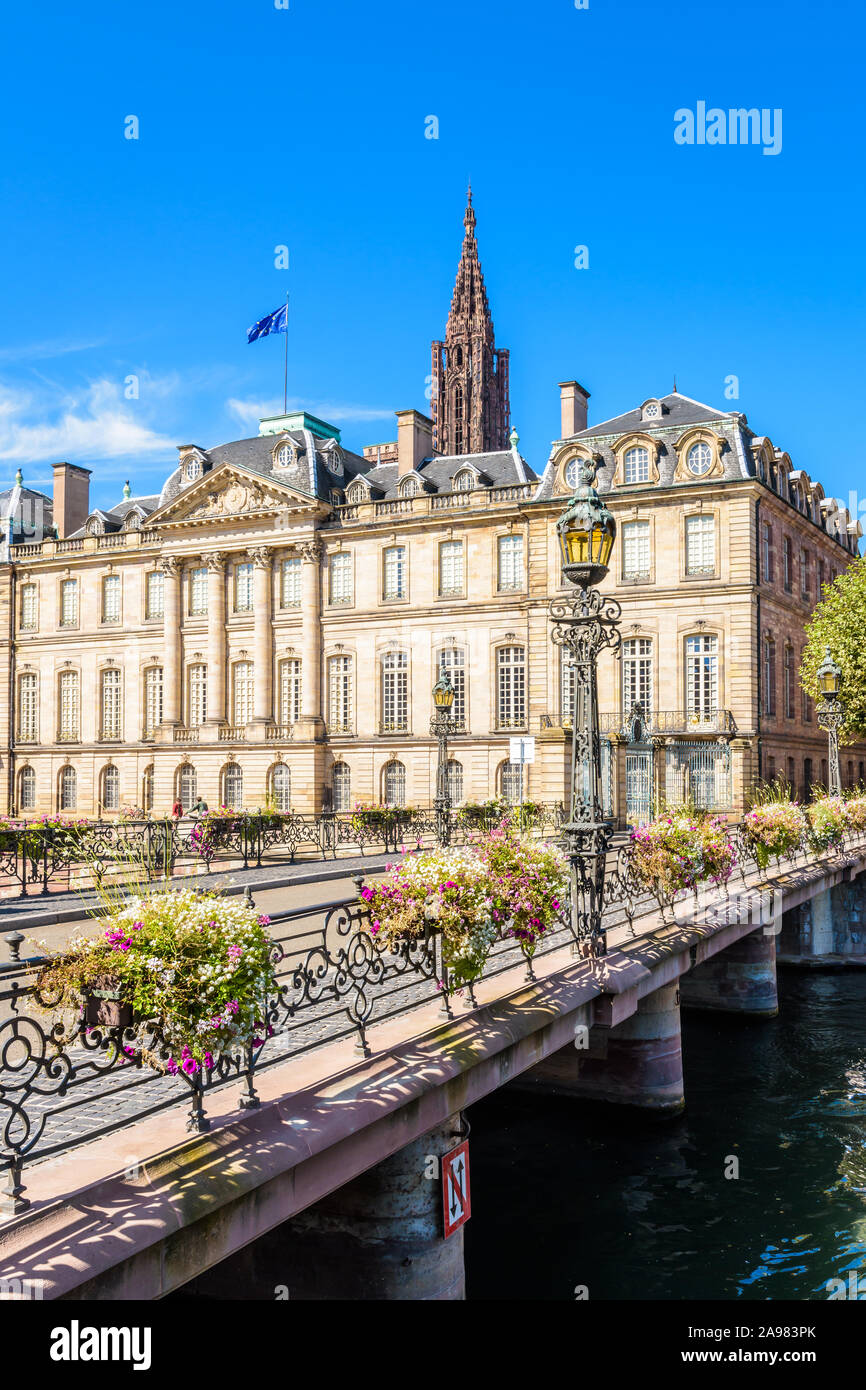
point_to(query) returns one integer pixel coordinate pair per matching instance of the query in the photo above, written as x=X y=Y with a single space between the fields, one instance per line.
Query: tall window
x=395 y=572
x=290 y=582
x=154 y=599
x=187 y=786
x=281 y=786
x=767 y=552
x=566 y=689
x=243 y=693
x=451 y=568
x=458 y=419
x=636 y=465
x=27 y=708
x=341 y=705
x=788 y=668
x=68 y=690
x=805 y=581
x=244 y=587
x=510 y=780
x=69 y=603
x=805 y=706
x=454 y=781
x=787 y=564
x=452 y=663
x=636 y=550
x=68 y=789
x=342 y=787
x=290 y=690
x=152 y=700
x=395 y=784
x=110 y=704
x=700 y=545
x=111 y=789
x=821 y=577
x=509 y=568
x=233 y=787
x=637 y=674
x=111 y=598
x=702 y=676
x=340 y=577
x=769 y=676
x=147 y=790
x=197 y=678
x=510 y=687
x=29 y=609
x=27 y=789
x=395 y=692
x=198 y=592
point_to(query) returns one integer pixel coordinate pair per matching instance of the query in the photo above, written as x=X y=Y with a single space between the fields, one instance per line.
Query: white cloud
x=37 y=351
x=251 y=412
x=101 y=424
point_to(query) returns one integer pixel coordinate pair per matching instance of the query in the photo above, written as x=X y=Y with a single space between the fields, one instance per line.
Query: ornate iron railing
x=63 y=1082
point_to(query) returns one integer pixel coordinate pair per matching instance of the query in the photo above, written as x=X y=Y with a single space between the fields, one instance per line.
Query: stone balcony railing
x=424 y=503
x=111 y=540
x=668 y=721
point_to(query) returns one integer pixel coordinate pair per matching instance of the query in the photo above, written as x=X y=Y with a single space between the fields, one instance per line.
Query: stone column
x=741 y=979
x=216 y=650
x=311 y=725
x=171 y=658
x=263 y=637
x=639 y=1062
x=378 y=1238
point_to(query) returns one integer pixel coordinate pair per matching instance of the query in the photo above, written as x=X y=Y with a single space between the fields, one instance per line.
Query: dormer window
x=699 y=459
x=356 y=493
x=464 y=481
x=192 y=469
x=651 y=410
x=94 y=526
x=636 y=465
x=570 y=474
x=132 y=522
x=286 y=455
x=409 y=487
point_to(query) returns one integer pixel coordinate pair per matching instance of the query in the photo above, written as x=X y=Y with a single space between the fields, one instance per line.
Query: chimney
x=71 y=497
x=414 y=440
x=573 y=401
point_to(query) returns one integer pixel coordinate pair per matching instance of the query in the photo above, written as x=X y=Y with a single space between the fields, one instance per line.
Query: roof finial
x=514 y=437
x=19 y=478
x=675 y=383
x=127 y=491
x=469 y=218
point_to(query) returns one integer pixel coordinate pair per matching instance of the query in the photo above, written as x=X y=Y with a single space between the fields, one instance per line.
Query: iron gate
x=699 y=773
x=638 y=785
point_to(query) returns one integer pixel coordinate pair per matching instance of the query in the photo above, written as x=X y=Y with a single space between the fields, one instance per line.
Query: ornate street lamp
x=586 y=624
x=441 y=725
x=831 y=716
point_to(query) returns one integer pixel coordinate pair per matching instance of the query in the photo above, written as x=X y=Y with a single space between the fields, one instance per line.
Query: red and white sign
x=455 y=1188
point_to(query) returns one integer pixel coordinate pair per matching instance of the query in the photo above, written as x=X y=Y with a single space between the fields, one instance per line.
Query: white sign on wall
x=522 y=750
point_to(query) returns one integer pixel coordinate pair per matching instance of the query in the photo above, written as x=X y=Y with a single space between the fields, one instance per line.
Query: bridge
x=122 y=1184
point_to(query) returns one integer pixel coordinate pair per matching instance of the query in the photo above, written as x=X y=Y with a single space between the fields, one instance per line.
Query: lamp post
x=586 y=624
x=831 y=716
x=441 y=725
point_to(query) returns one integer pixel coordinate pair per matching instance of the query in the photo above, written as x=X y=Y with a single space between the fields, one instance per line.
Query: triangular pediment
x=229 y=492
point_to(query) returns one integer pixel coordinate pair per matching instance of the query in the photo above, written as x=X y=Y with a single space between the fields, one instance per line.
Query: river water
x=569 y=1194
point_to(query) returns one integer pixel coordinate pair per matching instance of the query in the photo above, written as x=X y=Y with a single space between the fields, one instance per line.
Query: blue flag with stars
x=277 y=322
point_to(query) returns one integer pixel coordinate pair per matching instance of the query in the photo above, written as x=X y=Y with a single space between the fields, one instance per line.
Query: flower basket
x=680 y=851
x=828 y=821
x=774 y=829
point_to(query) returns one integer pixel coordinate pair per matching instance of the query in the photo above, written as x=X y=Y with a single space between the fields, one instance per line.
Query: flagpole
x=286 y=376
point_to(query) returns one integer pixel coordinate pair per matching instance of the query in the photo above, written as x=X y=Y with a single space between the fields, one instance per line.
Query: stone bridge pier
x=740 y=980
x=830 y=926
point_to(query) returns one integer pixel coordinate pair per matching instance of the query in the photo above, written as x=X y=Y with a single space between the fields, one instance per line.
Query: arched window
x=342 y=784
x=356 y=493
x=27 y=789
x=509 y=782
x=111 y=789
x=454 y=781
x=187 y=786
x=395 y=784
x=233 y=787
x=636 y=465
x=464 y=481
x=458 y=419
x=409 y=487
x=281 y=787
x=147 y=790
x=68 y=789
x=285 y=455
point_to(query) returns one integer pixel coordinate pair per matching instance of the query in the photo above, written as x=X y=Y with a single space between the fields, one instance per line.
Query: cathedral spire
x=471 y=413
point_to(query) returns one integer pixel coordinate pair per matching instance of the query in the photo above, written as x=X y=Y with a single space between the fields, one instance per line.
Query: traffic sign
x=455 y=1188
x=522 y=750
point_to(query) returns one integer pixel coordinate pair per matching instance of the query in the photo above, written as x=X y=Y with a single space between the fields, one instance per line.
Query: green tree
x=839 y=622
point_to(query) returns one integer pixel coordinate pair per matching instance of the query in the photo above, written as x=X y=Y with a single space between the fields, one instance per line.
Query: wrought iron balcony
x=668 y=721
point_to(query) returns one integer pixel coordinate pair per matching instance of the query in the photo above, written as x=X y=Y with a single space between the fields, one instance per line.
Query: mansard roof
x=678 y=412
x=503 y=468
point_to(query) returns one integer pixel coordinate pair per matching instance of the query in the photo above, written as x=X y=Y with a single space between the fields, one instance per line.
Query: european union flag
x=277 y=322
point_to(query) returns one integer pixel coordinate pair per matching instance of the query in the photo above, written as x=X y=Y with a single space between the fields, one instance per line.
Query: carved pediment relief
x=229 y=493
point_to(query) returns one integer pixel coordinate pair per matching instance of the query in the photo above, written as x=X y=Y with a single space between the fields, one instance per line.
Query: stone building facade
x=268 y=628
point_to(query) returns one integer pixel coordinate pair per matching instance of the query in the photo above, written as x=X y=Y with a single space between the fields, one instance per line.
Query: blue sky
x=306 y=127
